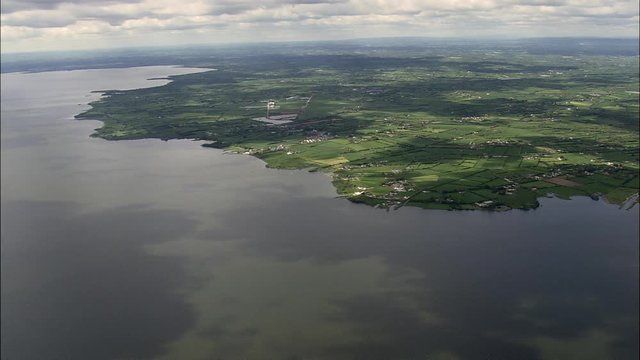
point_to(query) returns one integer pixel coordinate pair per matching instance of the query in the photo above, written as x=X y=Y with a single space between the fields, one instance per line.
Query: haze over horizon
x=39 y=25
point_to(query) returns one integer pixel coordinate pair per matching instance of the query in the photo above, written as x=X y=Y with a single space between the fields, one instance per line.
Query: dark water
x=151 y=249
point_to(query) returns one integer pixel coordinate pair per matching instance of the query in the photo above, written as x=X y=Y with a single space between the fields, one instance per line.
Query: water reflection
x=151 y=249
x=78 y=285
x=519 y=285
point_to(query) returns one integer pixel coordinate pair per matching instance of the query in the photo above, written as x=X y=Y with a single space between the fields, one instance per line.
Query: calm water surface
x=152 y=249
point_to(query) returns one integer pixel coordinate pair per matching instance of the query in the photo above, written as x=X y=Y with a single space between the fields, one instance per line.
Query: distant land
x=433 y=123
x=203 y=55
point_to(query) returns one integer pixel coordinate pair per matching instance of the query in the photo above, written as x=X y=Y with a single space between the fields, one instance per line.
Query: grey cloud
x=10 y=6
x=232 y=7
x=40 y=22
x=542 y=2
x=43 y=18
x=114 y=19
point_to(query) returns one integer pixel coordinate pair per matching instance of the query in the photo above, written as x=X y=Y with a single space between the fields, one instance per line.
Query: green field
x=459 y=130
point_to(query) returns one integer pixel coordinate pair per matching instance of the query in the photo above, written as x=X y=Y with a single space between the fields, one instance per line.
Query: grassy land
x=461 y=130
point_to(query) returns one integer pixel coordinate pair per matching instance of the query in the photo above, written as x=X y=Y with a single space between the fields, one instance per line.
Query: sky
x=38 y=25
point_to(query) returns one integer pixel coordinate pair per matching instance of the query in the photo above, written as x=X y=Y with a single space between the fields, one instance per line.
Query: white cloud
x=65 y=24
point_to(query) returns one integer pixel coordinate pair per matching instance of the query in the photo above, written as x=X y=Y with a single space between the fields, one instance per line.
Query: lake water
x=151 y=249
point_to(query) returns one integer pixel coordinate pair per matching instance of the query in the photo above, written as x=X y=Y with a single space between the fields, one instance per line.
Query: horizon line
x=253 y=43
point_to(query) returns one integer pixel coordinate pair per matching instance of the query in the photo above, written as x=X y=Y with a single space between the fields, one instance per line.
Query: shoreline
x=281 y=157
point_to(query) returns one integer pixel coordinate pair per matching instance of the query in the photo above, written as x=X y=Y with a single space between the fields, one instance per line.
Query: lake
x=165 y=249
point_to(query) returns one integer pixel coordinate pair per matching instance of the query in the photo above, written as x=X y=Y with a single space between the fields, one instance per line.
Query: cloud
x=10 y=6
x=80 y=23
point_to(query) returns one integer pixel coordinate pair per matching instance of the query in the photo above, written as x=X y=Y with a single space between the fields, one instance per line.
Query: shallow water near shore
x=154 y=249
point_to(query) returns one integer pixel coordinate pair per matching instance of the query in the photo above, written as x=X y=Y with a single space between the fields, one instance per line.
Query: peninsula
x=446 y=127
